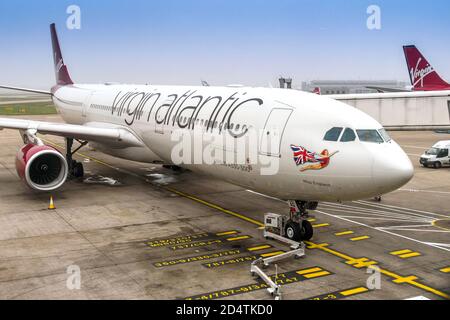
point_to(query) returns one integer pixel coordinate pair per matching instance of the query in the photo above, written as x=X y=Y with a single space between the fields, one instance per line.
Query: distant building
x=349 y=86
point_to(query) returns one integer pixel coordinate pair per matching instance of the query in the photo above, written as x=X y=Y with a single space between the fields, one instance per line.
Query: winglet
x=61 y=71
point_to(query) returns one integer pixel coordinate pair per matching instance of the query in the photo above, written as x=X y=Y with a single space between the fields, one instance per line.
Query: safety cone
x=52 y=204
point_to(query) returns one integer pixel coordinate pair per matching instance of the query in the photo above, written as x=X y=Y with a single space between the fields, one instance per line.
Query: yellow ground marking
x=312 y=270
x=312 y=220
x=345 y=233
x=410 y=255
x=311 y=245
x=361 y=263
x=238 y=238
x=226 y=233
x=394 y=276
x=352 y=292
x=264 y=247
x=405 y=254
x=321 y=225
x=445 y=270
x=435 y=224
x=405 y=279
x=397 y=253
x=208 y=204
x=272 y=254
x=360 y=238
x=316 y=275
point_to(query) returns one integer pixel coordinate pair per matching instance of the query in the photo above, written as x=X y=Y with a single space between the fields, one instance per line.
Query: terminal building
x=350 y=87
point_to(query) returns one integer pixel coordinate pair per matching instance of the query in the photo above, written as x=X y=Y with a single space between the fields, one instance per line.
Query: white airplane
x=327 y=150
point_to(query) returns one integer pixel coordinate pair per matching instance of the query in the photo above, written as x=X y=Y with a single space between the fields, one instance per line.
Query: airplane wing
x=383 y=90
x=113 y=135
x=27 y=90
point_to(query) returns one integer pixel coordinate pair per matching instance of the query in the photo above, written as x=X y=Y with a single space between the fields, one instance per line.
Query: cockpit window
x=333 y=134
x=385 y=135
x=348 y=136
x=369 y=136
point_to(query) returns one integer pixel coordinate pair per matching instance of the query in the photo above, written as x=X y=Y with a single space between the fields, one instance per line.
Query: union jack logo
x=302 y=156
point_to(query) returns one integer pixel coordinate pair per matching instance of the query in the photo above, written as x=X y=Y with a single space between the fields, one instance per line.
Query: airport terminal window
x=369 y=136
x=333 y=134
x=348 y=136
x=385 y=135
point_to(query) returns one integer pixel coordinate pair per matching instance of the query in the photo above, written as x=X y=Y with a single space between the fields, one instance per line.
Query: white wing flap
x=113 y=135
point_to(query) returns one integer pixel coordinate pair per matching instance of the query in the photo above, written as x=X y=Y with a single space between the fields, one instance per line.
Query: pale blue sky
x=222 y=41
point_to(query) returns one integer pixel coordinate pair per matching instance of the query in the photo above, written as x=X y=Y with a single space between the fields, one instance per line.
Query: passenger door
x=272 y=135
x=86 y=104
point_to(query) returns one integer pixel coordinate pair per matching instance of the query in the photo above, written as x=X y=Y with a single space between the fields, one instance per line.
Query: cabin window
x=348 y=136
x=231 y=126
x=369 y=136
x=238 y=127
x=333 y=134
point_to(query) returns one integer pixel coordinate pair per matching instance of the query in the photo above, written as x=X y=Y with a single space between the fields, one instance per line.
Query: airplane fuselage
x=293 y=122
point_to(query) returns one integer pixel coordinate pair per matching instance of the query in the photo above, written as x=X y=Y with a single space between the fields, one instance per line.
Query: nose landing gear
x=298 y=228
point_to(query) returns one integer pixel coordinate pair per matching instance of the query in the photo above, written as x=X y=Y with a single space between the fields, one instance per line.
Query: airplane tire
x=78 y=170
x=299 y=232
x=293 y=231
x=306 y=231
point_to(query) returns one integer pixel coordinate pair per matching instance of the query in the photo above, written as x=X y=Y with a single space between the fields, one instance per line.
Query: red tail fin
x=317 y=91
x=61 y=71
x=422 y=74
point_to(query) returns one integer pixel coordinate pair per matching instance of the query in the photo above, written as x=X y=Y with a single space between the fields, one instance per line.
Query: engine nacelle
x=41 y=167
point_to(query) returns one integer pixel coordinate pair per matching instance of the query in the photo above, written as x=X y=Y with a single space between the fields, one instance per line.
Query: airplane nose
x=391 y=170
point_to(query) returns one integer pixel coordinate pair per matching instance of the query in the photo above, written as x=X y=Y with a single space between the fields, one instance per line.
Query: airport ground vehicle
x=438 y=156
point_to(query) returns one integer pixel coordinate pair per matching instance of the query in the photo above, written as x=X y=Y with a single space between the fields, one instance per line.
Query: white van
x=438 y=156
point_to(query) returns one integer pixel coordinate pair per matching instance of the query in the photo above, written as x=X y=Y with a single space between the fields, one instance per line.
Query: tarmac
x=139 y=231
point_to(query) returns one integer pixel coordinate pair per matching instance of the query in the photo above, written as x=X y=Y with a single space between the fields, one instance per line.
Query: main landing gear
x=298 y=228
x=76 y=169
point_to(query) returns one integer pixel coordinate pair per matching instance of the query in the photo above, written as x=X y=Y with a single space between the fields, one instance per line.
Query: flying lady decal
x=311 y=160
